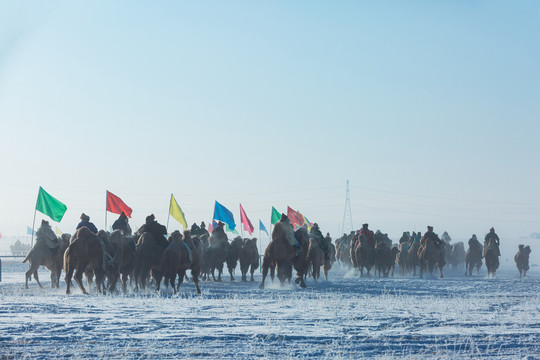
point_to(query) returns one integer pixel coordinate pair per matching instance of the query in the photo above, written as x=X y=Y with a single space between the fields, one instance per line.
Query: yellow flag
x=58 y=231
x=176 y=212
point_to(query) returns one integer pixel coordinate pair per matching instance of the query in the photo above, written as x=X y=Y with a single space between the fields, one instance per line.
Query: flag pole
x=33 y=226
x=169 y=216
x=106 y=200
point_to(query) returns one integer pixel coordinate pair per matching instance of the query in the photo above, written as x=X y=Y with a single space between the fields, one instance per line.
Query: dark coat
x=157 y=230
x=89 y=225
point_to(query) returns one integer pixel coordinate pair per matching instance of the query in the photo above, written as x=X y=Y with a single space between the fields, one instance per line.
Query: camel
x=522 y=259
x=394 y=251
x=365 y=255
x=316 y=258
x=430 y=254
x=383 y=259
x=216 y=253
x=491 y=253
x=205 y=269
x=282 y=255
x=52 y=258
x=414 y=261
x=332 y=249
x=473 y=257
x=249 y=257
x=301 y=262
x=125 y=250
x=456 y=256
x=402 y=257
x=147 y=259
x=181 y=254
x=232 y=255
x=343 y=249
x=90 y=251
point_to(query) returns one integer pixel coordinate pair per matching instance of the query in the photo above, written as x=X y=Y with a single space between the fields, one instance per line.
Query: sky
x=430 y=109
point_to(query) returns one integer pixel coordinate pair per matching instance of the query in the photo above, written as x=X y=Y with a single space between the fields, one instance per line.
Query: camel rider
x=85 y=221
x=157 y=230
x=445 y=237
x=289 y=234
x=195 y=230
x=405 y=237
x=122 y=224
x=316 y=234
x=493 y=236
x=203 y=230
x=430 y=235
x=368 y=234
x=473 y=241
x=45 y=233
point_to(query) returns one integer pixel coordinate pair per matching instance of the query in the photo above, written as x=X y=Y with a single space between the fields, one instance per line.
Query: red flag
x=116 y=205
x=245 y=221
x=295 y=217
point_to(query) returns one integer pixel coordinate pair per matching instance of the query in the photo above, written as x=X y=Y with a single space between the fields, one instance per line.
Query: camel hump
x=84 y=232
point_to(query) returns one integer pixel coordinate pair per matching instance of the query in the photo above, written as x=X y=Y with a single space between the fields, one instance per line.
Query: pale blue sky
x=431 y=109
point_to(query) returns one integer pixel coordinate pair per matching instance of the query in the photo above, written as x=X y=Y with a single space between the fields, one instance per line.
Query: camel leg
x=158 y=278
x=53 y=279
x=124 y=279
x=36 y=277
x=68 y=276
x=195 y=276
x=78 y=279
x=172 y=281
x=230 y=272
x=29 y=273
x=220 y=271
x=252 y=271
x=264 y=274
x=181 y=275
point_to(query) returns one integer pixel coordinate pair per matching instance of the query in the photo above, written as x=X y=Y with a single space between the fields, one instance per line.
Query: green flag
x=227 y=228
x=276 y=216
x=49 y=206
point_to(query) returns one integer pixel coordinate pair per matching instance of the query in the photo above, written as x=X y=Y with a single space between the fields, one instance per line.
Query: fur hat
x=284 y=217
x=365 y=225
x=492 y=229
x=430 y=228
x=150 y=218
x=85 y=217
x=44 y=222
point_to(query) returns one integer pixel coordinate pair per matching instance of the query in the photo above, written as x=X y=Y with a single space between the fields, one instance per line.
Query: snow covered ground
x=345 y=317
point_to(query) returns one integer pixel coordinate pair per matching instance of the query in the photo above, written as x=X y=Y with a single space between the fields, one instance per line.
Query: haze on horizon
x=430 y=109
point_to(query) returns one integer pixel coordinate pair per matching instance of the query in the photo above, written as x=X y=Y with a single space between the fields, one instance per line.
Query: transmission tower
x=347 y=226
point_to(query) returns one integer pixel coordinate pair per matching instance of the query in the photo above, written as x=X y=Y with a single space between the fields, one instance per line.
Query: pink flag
x=244 y=220
x=211 y=227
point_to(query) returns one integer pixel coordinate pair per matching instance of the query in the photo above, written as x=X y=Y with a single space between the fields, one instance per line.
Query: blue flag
x=30 y=231
x=262 y=228
x=223 y=214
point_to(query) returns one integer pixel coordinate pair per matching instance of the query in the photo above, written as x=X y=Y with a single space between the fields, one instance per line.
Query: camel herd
x=411 y=256
x=134 y=260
